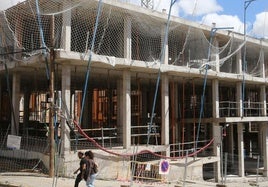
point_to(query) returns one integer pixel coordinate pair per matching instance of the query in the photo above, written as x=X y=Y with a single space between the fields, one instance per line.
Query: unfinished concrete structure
x=196 y=82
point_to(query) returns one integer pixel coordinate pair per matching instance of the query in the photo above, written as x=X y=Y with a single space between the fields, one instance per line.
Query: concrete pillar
x=217 y=150
x=239 y=99
x=165 y=57
x=215 y=98
x=125 y=100
x=239 y=63
x=264 y=148
x=66 y=106
x=120 y=112
x=215 y=55
x=15 y=104
x=127 y=38
x=263 y=100
x=262 y=64
x=241 y=154
x=174 y=112
x=164 y=110
x=239 y=85
x=126 y=109
x=66 y=30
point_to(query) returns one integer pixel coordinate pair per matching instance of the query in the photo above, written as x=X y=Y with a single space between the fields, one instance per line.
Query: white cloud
x=224 y=21
x=199 y=7
x=5 y=4
x=260 y=26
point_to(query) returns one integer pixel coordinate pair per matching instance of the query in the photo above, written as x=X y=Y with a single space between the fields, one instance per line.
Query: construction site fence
x=182 y=149
x=146 y=172
x=253 y=166
x=15 y=160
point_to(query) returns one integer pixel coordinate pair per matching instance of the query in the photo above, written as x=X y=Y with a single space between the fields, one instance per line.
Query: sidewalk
x=22 y=179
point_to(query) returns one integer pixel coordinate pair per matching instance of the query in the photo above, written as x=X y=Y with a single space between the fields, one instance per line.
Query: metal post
x=206 y=67
x=246 y=4
x=221 y=156
x=258 y=166
x=185 y=168
x=221 y=151
x=225 y=166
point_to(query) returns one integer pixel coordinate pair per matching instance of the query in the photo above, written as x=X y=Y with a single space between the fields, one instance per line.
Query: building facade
x=128 y=76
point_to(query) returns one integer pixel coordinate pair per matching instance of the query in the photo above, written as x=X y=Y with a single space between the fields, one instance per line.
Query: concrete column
x=215 y=55
x=262 y=64
x=126 y=108
x=174 y=112
x=264 y=148
x=239 y=99
x=164 y=110
x=66 y=106
x=215 y=98
x=120 y=112
x=263 y=100
x=66 y=29
x=241 y=155
x=217 y=150
x=15 y=104
x=125 y=92
x=239 y=63
x=165 y=57
x=127 y=38
x=239 y=85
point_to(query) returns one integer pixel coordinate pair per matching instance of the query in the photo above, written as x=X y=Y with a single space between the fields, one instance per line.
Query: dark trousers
x=77 y=180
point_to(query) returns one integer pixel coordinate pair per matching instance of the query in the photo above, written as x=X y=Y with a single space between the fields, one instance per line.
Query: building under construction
x=135 y=85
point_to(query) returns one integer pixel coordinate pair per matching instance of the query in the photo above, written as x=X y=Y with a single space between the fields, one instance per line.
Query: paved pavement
x=23 y=179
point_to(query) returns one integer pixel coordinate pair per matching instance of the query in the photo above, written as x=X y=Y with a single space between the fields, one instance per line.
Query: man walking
x=82 y=163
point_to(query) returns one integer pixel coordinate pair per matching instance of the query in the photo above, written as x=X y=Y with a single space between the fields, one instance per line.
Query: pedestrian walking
x=81 y=168
x=92 y=169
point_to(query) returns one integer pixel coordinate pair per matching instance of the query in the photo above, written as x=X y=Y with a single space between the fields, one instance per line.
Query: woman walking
x=92 y=169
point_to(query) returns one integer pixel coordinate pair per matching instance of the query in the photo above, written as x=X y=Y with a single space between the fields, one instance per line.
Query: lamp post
x=212 y=34
x=246 y=5
x=206 y=67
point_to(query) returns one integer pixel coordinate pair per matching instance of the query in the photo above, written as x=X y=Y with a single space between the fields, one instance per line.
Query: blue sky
x=225 y=13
